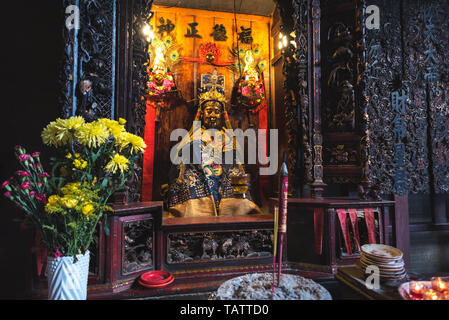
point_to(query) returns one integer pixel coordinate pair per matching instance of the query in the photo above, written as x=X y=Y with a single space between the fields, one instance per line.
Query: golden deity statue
x=209 y=186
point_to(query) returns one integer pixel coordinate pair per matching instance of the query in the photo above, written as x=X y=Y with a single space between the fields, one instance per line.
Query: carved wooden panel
x=288 y=122
x=88 y=73
x=342 y=83
x=433 y=23
x=203 y=247
x=137 y=246
x=302 y=28
x=136 y=108
x=383 y=66
x=407 y=53
x=417 y=148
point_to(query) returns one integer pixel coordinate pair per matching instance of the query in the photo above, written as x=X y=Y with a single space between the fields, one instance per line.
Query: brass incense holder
x=240 y=185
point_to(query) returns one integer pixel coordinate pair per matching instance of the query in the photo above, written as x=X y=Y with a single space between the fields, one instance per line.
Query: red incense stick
x=280 y=260
x=275 y=238
x=283 y=194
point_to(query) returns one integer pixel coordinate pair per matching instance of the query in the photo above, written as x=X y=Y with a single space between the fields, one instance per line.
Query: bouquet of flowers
x=251 y=92
x=160 y=84
x=94 y=160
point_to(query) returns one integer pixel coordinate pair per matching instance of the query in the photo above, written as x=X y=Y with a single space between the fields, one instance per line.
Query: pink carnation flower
x=25 y=185
x=24 y=157
x=58 y=254
x=36 y=154
x=5 y=184
x=44 y=175
x=23 y=173
x=41 y=198
x=7 y=194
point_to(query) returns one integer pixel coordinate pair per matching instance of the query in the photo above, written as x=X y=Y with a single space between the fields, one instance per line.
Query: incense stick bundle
x=275 y=242
x=283 y=199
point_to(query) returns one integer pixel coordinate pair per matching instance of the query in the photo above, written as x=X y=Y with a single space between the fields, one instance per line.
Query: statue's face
x=212 y=115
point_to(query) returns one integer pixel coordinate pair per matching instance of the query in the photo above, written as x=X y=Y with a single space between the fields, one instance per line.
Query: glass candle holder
x=439 y=284
x=416 y=290
x=431 y=294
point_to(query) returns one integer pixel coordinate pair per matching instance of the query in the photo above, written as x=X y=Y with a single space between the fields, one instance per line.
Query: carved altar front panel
x=218 y=246
x=137 y=249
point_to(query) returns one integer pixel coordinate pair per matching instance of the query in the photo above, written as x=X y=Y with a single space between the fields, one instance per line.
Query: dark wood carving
x=361 y=95
x=345 y=97
x=301 y=27
x=96 y=59
x=434 y=75
x=203 y=247
x=291 y=88
x=408 y=78
x=341 y=154
x=339 y=73
x=398 y=59
x=137 y=246
x=137 y=109
x=66 y=80
x=314 y=91
x=383 y=65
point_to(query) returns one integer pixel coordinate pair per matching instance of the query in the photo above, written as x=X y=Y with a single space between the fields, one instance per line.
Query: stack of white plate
x=388 y=259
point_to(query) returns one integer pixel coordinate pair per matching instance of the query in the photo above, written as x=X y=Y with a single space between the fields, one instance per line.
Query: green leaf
x=106 y=227
x=104 y=183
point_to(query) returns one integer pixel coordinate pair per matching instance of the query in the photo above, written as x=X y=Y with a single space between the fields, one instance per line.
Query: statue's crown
x=212 y=95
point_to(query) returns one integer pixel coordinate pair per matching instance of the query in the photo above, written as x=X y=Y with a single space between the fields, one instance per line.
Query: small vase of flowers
x=93 y=160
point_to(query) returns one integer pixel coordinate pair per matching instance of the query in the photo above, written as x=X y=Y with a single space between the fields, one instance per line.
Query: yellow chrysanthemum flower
x=80 y=164
x=68 y=202
x=49 y=134
x=118 y=162
x=125 y=139
x=50 y=208
x=121 y=121
x=114 y=127
x=70 y=188
x=57 y=134
x=88 y=209
x=92 y=134
x=54 y=199
x=54 y=208
x=73 y=123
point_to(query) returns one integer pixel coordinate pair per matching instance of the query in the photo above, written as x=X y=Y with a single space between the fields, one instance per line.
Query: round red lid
x=156 y=277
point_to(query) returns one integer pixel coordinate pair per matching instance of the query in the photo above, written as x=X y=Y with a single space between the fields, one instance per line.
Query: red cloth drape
x=370 y=225
x=318 y=217
x=345 y=230
x=148 y=156
x=355 y=227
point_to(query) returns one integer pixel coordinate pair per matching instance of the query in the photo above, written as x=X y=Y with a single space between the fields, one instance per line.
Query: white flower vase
x=68 y=280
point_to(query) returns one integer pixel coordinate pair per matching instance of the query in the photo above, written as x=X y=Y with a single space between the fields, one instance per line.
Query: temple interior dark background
x=30 y=54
